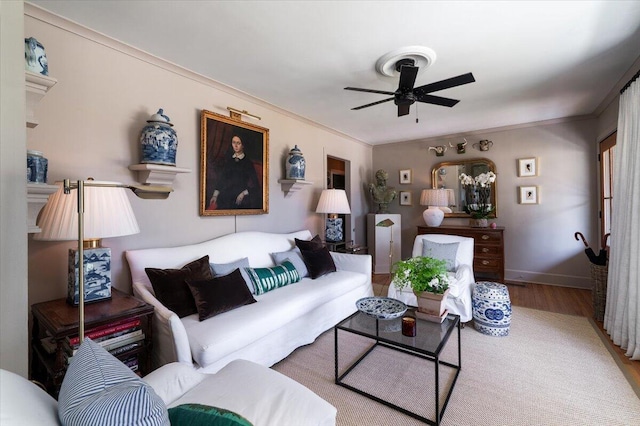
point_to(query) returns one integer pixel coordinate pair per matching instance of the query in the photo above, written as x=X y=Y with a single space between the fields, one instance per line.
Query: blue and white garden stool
x=491 y=308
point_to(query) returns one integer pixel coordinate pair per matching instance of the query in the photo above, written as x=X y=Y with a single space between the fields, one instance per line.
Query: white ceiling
x=532 y=60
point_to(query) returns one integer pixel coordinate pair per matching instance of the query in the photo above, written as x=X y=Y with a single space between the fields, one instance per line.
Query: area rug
x=552 y=369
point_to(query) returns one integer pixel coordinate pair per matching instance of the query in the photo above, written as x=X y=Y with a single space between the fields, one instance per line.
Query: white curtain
x=622 y=312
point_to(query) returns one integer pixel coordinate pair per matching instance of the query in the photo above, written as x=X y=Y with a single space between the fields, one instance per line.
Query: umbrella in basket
x=593 y=257
x=603 y=255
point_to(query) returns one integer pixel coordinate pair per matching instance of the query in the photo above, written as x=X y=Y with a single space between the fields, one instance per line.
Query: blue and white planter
x=159 y=141
x=491 y=308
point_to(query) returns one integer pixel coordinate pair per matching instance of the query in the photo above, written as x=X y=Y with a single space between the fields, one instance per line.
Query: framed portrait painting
x=234 y=170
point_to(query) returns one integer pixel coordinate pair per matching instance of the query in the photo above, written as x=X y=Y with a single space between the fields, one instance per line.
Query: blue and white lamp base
x=97 y=275
x=333 y=231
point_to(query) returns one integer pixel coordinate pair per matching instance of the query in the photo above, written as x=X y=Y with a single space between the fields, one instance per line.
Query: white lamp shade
x=333 y=201
x=434 y=197
x=107 y=213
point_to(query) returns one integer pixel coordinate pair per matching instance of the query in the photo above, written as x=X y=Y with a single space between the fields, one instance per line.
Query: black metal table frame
x=412 y=351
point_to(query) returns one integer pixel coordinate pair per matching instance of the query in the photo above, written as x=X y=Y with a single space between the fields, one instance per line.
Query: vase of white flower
x=478 y=198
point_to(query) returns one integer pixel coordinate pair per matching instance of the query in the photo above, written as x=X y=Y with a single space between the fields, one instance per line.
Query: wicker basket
x=599 y=292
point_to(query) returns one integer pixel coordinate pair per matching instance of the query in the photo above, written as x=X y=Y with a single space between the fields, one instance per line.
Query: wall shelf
x=157 y=174
x=36 y=85
x=292 y=185
x=37 y=196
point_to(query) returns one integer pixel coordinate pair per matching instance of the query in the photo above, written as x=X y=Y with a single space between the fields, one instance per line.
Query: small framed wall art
x=527 y=167
x=405 y=198
x=405 y=176
x=529 y=195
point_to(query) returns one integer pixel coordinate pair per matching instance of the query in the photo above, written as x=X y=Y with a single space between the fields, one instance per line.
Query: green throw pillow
x=197 y=414
x=267 y=279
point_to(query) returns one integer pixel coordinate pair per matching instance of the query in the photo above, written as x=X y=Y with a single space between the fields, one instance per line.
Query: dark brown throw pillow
x=170 y=285
x=313 y=244
x=220 y=294
x=319 y=262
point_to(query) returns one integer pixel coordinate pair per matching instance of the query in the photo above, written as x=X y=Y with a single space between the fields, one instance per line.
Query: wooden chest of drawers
x=488 y=257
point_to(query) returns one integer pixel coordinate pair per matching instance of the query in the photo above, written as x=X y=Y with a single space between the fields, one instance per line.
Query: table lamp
x=109 y=214
x=434 y=198
x=333 y=202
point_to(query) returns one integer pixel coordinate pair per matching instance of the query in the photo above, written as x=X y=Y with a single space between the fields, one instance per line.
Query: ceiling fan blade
x=372 y=104
x=403 y=109
x=408 y=76
x=382 y=92
x=437 y=100
x=444 y=84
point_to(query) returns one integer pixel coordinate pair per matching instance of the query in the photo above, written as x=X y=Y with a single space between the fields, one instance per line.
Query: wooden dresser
x=488 y=256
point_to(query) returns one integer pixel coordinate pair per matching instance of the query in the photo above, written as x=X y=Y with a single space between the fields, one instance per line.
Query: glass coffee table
x=428 y=344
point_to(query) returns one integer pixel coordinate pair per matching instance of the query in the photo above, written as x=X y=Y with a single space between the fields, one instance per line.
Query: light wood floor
x=563 y=300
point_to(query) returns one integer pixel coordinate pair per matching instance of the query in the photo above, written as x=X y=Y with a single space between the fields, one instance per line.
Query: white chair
x=460 y=283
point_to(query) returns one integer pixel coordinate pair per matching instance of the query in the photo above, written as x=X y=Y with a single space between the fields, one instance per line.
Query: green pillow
x=267 y=279
x=198 y=414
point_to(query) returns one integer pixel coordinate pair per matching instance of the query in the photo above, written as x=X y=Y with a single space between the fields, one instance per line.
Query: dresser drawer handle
x=485 y=237
x=485 y=250
x=485 y=262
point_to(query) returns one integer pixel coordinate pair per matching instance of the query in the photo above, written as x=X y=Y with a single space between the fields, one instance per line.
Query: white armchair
x=460 y=283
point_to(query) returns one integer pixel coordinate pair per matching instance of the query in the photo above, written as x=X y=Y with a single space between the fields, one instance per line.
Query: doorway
x=338 y=177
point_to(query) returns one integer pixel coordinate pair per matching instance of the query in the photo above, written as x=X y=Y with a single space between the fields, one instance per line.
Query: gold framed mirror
x=446 y=175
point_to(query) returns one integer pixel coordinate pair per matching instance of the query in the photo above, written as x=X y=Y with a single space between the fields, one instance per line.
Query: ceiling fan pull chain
x=417 y=119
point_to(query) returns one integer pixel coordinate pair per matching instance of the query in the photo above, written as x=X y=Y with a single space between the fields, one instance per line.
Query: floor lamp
x=388 y=223
x=56 y=220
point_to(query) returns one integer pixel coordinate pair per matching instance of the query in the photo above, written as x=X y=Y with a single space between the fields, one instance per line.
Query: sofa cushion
x=442 y=251
x=318 y=261
x=22 y=402
x=226 y=268
x=170 y=285
x=98 y=386
x=295 y=257
x=220 y=294
x=267 y=279
x=205 y=415
x=314 y=243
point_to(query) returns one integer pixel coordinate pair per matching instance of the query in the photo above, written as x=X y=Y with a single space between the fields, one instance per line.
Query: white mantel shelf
x=293 y=185
x=157 y=174
x=37 y=196
x=36 y=85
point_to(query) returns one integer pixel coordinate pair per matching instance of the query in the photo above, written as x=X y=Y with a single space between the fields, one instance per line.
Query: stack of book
x=118 y=338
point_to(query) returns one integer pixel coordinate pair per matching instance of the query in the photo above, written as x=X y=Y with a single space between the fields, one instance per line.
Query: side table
x=58 y=320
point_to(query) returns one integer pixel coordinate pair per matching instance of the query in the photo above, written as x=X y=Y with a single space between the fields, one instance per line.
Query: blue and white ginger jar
x=35 y=57
x=159 y=141
x=295 y=164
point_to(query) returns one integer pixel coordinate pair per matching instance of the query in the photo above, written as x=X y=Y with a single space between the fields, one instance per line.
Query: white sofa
x=264 y=332
x=272 y=399
x=460 y=283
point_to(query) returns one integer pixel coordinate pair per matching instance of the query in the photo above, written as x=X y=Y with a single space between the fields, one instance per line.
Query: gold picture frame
x=405 y=176
x=405 y=198
x=529 y=195
x=527 y=167
x=233 y=181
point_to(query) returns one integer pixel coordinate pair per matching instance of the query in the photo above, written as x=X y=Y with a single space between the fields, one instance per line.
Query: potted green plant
x=428 y=279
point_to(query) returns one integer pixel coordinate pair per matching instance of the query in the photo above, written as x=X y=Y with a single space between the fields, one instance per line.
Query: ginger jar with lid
x=295 y=164
x=159 y=141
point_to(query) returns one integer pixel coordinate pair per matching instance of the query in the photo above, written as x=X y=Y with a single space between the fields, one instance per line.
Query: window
x=607 y=152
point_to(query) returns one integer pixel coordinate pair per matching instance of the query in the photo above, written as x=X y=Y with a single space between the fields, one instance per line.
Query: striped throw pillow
x=99 y=389
x=267 y=279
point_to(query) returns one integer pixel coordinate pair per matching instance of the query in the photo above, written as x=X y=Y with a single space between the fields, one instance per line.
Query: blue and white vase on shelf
x=295 y=164
x=159 y=141
x=35 y=57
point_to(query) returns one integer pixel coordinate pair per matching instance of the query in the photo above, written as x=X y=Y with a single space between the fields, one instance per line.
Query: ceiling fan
x=407 y=95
